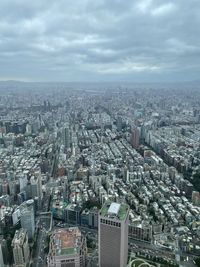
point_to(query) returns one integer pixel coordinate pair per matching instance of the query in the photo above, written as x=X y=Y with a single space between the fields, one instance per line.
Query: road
x=139 y=246
x=154 y=250
x=92 y=260
x=40 y=256
x=39 y=259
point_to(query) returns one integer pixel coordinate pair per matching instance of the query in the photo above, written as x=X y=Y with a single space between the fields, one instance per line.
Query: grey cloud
x=99 y=40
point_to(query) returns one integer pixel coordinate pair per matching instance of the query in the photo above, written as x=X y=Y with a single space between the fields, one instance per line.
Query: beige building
x=67 y=248
x=140 y=231
x=20 y=246
x=113 y=235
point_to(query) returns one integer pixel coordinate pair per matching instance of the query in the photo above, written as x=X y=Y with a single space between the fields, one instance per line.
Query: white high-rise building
x=28 y=217
x=28 y=129
x=113 y=235
x=36 y=186
x=21 y=252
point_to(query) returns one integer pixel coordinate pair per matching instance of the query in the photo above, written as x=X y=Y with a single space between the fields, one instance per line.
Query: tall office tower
x=20 y=246
x=126 y=174
x=119 y=123
x=195 y=198
x=28 y=129
x=66 y=136
x=67 y=248
x=113 y=235
x=135 y=137
x=28 y=217
x=36 y=186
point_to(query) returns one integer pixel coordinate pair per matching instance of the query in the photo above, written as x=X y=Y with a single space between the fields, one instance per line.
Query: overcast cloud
x=100 y=40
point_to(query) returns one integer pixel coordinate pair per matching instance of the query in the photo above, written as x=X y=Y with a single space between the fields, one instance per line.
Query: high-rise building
x=119 y=123
x=28 y=217
x=67 y=248
x=196 y=198
x=4 y=255
x=135 y=137
x=66 y=136
x=36 y=186
x=1 y=257
x=73 y=214
x=93 y=217
x=20 y=246
x=28 y=129
x=113 y=235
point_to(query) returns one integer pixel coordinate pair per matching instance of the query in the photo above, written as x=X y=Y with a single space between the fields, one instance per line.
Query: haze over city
x=99 y=133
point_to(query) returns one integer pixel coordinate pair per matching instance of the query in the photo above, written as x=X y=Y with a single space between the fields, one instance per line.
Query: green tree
x=197 y=261
x=91 y=203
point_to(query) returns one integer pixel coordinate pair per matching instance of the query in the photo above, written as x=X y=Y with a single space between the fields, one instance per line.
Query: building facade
x=28 y=217
x=20 y=246
x=113 y=235
x=67 y=248
x=140 y=231
x=135 y=137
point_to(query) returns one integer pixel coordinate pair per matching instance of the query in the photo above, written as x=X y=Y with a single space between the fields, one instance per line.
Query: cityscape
x=91 y=176
x=100 y=133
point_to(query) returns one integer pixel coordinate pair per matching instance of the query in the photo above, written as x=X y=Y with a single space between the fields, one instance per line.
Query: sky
x=100 y=40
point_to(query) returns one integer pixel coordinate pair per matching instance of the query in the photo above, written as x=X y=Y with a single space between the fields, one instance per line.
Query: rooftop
x=114 y=210
x=66 y=241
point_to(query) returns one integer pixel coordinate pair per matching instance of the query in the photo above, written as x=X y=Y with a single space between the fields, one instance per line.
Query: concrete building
x=28 y=217
x=66 y=136
x=85 y=218
x=195 y=198
x=1 y=257
x=4 y=255
x=36 y=186
x=73 y=214
x=113 y=235
x=93 y=217
x=20 y=246
x=67 y=248
x=140 y=231
x=135 y=138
